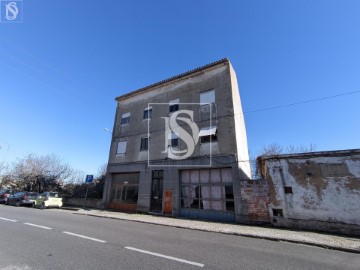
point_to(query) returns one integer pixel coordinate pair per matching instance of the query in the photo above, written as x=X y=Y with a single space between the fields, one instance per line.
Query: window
x=208 y=109
x=173 y=140
x=207 y=189
x=208 y=139
x=125 y=118
x=125 y=188
x=207 y=97
x=278 y=212
x=174 y=105
x=144 y=144
x=208 y=134
x=129 y=194
x=121 y=149
x=147 y=113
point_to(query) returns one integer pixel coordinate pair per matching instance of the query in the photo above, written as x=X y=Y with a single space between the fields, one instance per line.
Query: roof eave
x=171 y=79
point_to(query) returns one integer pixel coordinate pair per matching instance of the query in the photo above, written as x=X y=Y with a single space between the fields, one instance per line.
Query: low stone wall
x=91 y=203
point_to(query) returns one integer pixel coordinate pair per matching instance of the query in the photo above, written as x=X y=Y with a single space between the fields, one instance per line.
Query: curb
x=325 y=246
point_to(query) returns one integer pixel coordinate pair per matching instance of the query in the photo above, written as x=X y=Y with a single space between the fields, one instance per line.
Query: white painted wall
x=331 y=199
x=240 y=130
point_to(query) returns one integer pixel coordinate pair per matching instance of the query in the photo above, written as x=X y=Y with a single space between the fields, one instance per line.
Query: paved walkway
x=337 y=242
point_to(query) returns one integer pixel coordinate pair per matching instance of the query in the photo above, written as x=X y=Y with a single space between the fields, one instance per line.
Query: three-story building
x=179 y=147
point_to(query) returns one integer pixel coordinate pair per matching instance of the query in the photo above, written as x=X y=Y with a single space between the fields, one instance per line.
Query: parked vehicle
x=22 y=198
x=48 y=199
x=4 y=194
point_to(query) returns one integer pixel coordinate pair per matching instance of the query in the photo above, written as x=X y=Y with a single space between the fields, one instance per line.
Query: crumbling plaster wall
x=325 y=189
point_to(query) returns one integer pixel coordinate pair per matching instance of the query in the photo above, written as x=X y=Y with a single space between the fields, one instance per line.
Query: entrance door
x=157 y=191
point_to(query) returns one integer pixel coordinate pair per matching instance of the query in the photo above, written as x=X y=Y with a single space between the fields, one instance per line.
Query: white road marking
x=166 y=257
x=86 y=237
x=12 y=220
x=39 y=226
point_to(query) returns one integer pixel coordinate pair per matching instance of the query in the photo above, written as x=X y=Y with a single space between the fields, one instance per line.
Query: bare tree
x=276 y=149
x=3 y=168
x=41 y=172
x=102 y=171
x=271 y=149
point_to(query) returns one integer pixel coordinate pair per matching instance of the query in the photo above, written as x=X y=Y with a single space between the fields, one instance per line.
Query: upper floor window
x=121 y=148
x=174 y=105
x=174 y=140
x=147 y=113
x=207 y=97
x=125 y=118
x=144 y=144
x=208 y=134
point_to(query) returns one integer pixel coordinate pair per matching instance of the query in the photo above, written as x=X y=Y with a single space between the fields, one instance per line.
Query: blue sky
x=62 y=67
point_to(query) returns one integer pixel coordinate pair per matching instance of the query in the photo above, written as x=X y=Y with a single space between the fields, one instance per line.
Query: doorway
x=157 y=191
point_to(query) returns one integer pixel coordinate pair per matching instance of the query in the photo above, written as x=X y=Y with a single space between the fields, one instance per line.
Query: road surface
x=52 y=239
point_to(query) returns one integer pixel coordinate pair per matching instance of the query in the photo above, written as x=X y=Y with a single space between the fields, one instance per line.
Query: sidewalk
x=343 y=243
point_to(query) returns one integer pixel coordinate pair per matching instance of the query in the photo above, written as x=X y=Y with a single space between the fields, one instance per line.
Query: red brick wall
x=124 y=207
x=256 y=194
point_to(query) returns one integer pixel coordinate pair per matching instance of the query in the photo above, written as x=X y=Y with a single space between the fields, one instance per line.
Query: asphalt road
x=53 y=239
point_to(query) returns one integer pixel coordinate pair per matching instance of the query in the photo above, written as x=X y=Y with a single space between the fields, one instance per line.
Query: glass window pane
x=205 y=194
x=112 y=196
x=230 y=206
x=226 y=175
x=204 y=176
x=118 y=194
x=121 y=149
x=217 y=192
x=174 y=108
x=174 y=142
x=196 y=202
x=194 y=176
x=185 y=197
x=185 y=176
x=215 y=176
x=144 y=144
x=229 y=194
x=207 y=96
x=130 y=194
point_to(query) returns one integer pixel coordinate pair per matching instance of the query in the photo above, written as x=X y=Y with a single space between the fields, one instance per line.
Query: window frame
x=199 y=202
x=209 y=139
x=118 y=148
x=204 y=99
x=146 y=142
x=172 y=137
x=174 y=105
x=173 y=144
x=147 y=113
x=125 y=118
x=211 y=135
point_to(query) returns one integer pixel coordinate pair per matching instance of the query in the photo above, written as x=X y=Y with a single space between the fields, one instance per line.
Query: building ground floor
x=178 y=189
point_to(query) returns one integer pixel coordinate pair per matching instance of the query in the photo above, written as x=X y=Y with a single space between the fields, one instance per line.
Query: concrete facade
x=319 y=190
x=205 y=184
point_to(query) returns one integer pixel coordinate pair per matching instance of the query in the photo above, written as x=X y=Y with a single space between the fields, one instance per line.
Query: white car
x=48 y=199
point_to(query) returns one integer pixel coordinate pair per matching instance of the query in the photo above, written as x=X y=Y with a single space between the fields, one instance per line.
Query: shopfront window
x=125 y=188
x=207 y=189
